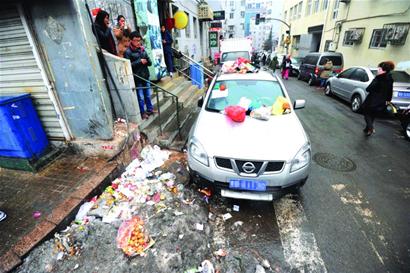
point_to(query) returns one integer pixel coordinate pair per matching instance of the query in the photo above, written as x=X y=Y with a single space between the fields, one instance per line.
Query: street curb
x=62 y=215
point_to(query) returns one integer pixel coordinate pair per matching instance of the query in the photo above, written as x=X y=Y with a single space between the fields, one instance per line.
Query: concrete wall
x=362 y=54
x=121 y=72
x=64 y=33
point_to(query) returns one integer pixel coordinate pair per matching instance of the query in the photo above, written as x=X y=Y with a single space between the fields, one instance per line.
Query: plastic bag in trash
x=84 y=209
x=262 y=113
x=132 y=237
x=280 y=106
x=236 y=113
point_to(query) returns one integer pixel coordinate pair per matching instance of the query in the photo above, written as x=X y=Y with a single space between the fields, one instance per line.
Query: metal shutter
x=20 y=72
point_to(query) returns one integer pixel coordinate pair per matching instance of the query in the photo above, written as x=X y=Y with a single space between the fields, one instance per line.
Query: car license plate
x=404 y=95
x=249 y=185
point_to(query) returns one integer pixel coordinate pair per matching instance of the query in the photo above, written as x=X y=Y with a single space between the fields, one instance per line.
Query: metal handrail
x=159 y=111
x=207 y=72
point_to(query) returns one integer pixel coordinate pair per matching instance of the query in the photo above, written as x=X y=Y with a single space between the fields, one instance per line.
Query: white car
x=351 y=84
x=254 y=158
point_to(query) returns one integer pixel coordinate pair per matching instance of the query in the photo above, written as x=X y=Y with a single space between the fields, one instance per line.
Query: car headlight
x=197 y=151
x=301 y=159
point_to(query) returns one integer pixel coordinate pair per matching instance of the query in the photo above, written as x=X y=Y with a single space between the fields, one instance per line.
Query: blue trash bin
x=197 y=75
x=22 y=134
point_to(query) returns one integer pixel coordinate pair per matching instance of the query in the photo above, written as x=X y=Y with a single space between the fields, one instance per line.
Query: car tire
x=407 y=130
x=311 y=82
x=328 y=90
x=356 y=103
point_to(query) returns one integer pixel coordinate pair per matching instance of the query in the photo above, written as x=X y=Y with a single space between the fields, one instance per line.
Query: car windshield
x=400 y=76
x=230 y=92
x=232 y=56
x=336 y=60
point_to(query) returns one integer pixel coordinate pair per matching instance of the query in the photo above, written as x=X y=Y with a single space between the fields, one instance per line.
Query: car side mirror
x=200 y=101
x=299 y=104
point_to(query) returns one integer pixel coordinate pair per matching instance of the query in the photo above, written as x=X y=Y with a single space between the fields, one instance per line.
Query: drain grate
x=334 y=162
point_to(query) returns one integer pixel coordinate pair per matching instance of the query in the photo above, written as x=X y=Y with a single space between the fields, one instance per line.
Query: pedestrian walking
x=167 y=44
x=103 y=32
x=380 y=94
x=140 y=62
x=286 y=66
x=325 y=74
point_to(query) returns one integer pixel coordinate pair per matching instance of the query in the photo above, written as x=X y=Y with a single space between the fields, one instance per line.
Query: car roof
x=261 y=75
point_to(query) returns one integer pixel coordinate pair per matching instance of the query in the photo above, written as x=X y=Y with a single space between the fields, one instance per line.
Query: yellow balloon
x=181 y=19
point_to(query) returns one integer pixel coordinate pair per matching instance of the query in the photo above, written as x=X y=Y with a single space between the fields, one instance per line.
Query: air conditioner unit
x=389 y=33
x=356 y=34
x=332 y=46
x=345 y=1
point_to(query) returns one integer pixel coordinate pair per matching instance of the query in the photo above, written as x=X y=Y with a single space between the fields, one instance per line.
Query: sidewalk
x=38 y=204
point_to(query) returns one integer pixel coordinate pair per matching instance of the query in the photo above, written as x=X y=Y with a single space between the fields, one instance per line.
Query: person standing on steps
x=380 y=94
x=167 y=44
x=104 y=33
x=139 y=62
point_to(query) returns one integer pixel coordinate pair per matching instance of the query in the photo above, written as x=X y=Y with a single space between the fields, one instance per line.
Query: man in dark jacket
x=380 y=93
x=167 y=44
x=103 y=32
x=140 y=62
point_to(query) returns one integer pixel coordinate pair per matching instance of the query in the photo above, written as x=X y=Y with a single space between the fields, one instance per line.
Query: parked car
x=404 y=118
x=313 y=64
x=350 y=85
x=255 y=158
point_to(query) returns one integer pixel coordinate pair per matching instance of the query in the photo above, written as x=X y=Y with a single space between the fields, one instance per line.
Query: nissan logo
x=248 y=167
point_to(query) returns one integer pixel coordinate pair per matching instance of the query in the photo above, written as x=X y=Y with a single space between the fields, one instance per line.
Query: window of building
x=335 y=9
x=308 y=7
x=231 y=15
x=243 y=3
x=195 y=27
x=188 y=27
x=346 y=41
x=316 y=6
x=249 y=6
x=300 y=9
x=230 y=28
x=295 y=12
x=325 y=4
x=378 y=40
x=291 y=14
x=231 y=3
x=258 y=5
x=285 y=16
x=242 y=14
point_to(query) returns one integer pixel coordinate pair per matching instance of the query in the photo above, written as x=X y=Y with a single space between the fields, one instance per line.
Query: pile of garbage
x=147 y=219
x=241 y=65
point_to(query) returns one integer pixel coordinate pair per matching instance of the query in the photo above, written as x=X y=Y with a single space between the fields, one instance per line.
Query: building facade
x=366 y=32
x=234 y=24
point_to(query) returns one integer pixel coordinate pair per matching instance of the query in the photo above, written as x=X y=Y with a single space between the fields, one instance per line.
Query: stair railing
x=174 y=97
x=187 y=61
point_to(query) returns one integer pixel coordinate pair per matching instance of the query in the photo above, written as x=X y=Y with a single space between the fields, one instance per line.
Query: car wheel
x=407 y=130
x=328 y=90
x=310 y=81
x=356 y=103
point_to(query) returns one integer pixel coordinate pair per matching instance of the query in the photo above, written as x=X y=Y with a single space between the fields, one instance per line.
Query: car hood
x=279 y=138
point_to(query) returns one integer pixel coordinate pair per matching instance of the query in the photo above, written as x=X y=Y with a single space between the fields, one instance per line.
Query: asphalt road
x=353 y=215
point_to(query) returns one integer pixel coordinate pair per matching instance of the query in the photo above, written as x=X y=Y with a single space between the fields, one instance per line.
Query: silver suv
x=254 y=158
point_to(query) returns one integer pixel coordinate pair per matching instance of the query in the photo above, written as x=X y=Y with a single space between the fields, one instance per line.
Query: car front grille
x=249 y=167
